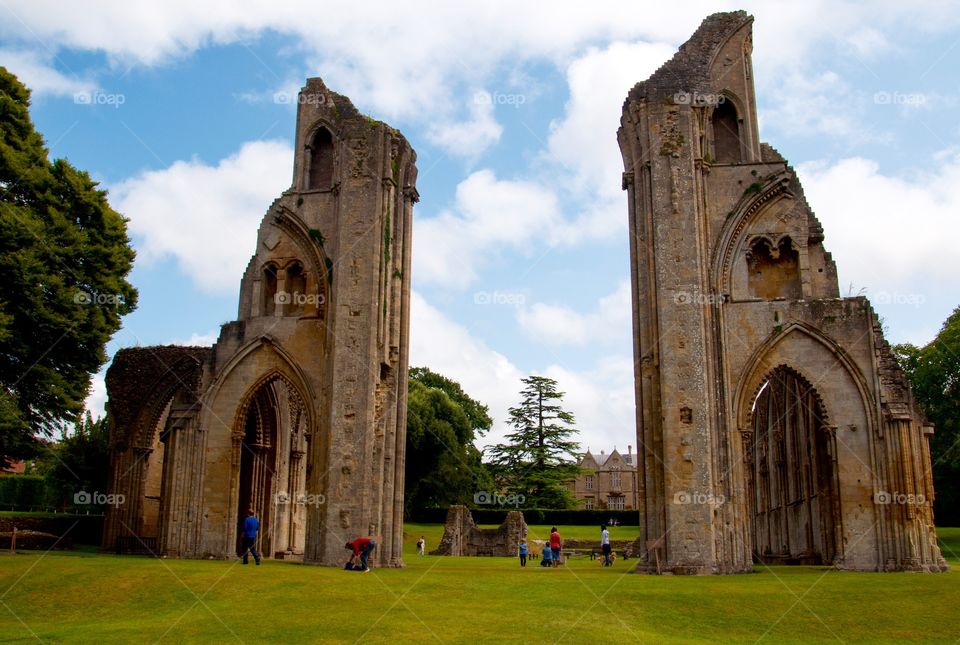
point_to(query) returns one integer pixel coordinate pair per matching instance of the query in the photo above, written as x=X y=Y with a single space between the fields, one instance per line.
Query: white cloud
x=199 y=340
x=414 y=59
x=584 y=140
x=823 y=104
x=557 y=324
x=469 y=138
x=895 y=236
x=489 y=215
x=601 y=397
x=602 y=402
x=97 y=398
x=205 y=216
x=448 y=348
x=37 y=73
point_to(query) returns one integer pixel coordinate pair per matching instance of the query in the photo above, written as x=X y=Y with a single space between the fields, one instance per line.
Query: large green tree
x=934 y=373
x=64 y=258
x=443 y=466
x=540 y=456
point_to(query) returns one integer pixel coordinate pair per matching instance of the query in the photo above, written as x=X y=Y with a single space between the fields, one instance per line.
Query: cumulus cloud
x=489 y=216
x=97 y=398
x=206 y=217
x=37 y=72
x=601 y=397
x=559 y=324
x=414 y=59
x=471 y=137
x=893 y=235
x=199 y=340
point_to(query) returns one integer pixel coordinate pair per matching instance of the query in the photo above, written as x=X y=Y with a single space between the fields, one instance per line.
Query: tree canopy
x=64 y=258
x=443 y=466
x=539 y=457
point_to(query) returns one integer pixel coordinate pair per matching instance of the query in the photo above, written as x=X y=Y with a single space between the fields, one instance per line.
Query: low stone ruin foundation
x=461 y=536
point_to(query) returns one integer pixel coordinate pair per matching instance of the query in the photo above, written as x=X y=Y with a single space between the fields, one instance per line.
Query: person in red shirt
x=555 y=544
x=362 y=548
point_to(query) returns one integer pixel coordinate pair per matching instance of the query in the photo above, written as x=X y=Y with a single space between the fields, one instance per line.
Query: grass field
x=95 y=598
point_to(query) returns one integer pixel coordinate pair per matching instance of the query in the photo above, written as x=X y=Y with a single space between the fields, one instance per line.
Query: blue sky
x=520 y=250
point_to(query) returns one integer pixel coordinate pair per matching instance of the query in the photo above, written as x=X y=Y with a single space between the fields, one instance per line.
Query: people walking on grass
x=523 y=553
x=605 y=545
x=555 y=543
x=362 y=548
x=421 y=546
x=251 y=525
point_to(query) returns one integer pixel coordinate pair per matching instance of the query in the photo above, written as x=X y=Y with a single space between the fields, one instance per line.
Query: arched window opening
x=150 y=519
x=774 y=270
x=269 y=290
x=296 y=290
x=726 y=133
x=321 y=160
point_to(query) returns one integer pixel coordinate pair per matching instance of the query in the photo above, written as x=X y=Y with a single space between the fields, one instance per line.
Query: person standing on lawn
x=251 y=525
x=421 y=546
x=362 y=548
x=605 y=544
x=555 y=543
x=523 y=553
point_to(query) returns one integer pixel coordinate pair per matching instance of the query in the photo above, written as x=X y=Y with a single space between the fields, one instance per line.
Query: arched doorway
x=792 y=483
x=272 y=473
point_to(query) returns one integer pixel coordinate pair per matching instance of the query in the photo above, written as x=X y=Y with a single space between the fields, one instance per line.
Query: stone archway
x=271 y=430
x=791 y=470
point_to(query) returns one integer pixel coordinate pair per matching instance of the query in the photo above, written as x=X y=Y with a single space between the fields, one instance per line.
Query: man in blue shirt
x=250 y=527
x=523 y=553
x=547 y=557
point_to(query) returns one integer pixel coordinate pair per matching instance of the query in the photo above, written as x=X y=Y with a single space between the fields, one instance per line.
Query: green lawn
x=87 y=597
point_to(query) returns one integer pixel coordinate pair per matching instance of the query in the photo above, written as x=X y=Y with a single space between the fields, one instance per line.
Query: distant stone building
x=609 y=481
x=773 y=421
x=298 y=411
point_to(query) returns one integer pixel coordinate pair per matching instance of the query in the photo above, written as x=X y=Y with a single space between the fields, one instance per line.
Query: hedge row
x=26 y=493
x=438 y=515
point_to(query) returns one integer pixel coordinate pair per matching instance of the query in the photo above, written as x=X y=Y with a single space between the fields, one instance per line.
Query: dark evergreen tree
x=540 y=457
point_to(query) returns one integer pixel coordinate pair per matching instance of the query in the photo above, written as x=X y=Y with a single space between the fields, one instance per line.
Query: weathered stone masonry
x=773 y=422
x=299 y=409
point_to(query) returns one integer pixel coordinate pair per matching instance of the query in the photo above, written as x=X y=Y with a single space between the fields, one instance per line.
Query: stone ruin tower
x=773 y=420
x=299 y=410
